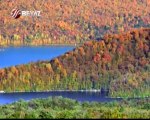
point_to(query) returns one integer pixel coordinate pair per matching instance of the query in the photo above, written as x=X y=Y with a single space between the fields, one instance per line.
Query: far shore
x=94 y=90
x=5 y=46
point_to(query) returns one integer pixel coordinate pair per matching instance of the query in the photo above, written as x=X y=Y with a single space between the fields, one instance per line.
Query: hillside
x=119 y=63
x=70 y=21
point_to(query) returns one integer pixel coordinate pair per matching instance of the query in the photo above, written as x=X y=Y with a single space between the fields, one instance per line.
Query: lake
x=6 y=98
x=21 y=55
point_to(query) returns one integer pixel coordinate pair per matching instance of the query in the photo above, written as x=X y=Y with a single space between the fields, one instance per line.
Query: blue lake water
x=20 y=55
x=6 y=98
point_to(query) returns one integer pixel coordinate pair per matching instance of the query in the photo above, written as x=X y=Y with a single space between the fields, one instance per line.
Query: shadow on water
x=105 y=91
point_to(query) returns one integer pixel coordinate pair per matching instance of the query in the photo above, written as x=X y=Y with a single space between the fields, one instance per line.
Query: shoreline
x=52 y=91
x=59 y=45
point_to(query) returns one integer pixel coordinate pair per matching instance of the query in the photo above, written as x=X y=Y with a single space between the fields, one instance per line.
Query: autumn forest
x=110 y=54
x=113 y=52
x=70 y=21
x=119 y=63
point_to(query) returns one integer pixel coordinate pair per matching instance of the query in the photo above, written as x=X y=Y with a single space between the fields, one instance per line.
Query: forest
x=58 y=107
x=112 y=54
x=70 y=21
x=119 y=63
